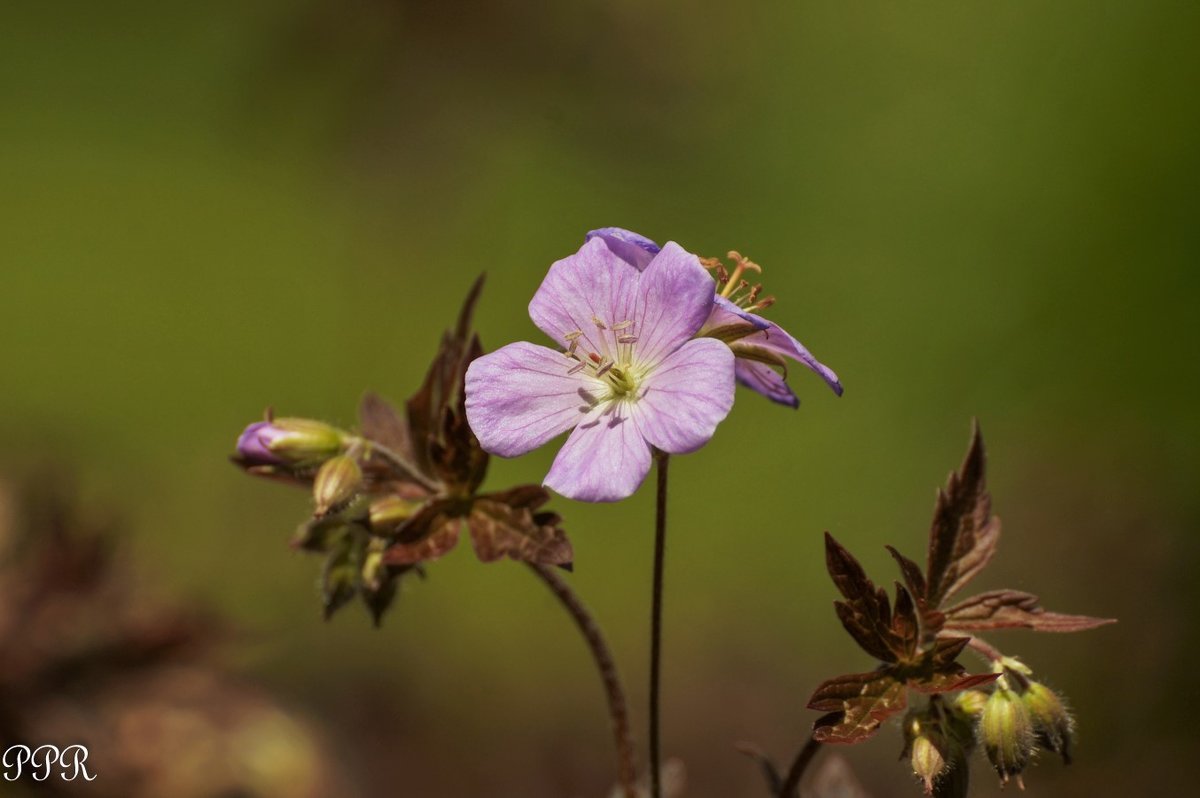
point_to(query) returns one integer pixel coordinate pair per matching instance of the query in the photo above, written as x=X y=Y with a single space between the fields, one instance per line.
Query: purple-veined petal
x=776 y=339
x=604 y=460
x=763 y=379
x=520 y=396
x=687 y=396
x=591 y=284
x=726 y=314
x=676 y=299
x=634 y=249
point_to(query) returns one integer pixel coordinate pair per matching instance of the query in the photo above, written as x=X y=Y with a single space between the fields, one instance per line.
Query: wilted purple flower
x=761 y=346
x=632 y=376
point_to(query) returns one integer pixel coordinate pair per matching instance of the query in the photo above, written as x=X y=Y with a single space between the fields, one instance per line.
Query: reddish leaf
x=455 y=455
x=502 y=529
x=866 y=613
x=859 y=703
x=904 y=622
x=380 y=422
x=950 y=682
x=1009 y=609
x=931 y=618
x=442 y=385
x=441 y=537
x=964 y=533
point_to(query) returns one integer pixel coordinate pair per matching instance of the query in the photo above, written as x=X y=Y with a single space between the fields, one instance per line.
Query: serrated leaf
x=952 y=682
x=866 y=612
x=905 y=628
x=1011 y=609
x=859 y=703
x=505 y=525
x=381 y=422
x=439 y=537
x=455 y=454
x=442 y=383
x=964 y=534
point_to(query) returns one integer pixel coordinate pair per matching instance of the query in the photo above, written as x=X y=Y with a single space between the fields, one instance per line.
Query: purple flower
x=631 y=376
x=761 y=346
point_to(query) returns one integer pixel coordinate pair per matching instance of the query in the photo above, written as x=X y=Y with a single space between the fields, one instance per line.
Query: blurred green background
x=966 y=209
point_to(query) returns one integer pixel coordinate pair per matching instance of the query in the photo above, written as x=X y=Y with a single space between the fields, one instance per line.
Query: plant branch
x=401 y=462
x=617 y=708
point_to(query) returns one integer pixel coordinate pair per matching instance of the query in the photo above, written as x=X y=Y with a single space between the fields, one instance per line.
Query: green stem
x=660 y=544
x=617 y=707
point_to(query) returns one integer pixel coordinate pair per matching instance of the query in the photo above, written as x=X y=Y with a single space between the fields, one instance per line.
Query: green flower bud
x=336 y=483
x=1007 y=733
x=388 y=512
x=927 y=761
x=1052 y=724
x=970 y=702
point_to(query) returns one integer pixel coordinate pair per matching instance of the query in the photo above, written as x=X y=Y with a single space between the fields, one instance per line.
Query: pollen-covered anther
x=578 y=367
x=599 y=324
x=600 y=372
x=627 y=339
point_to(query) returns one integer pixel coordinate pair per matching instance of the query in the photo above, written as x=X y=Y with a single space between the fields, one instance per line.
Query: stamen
x=599 y=323
x=627 y=339
x=574 y=345
x=623 y=325
x=594 y=357
x=600 y=372
x=576 y=368
x=573 y=334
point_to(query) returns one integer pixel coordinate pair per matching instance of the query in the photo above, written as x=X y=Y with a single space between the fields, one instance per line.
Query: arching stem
x=799 y=765
x=617 y=708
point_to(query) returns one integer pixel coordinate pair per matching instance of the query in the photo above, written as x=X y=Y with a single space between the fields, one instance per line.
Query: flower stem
x=660 y=545
x=617 y=707
x=799 y=765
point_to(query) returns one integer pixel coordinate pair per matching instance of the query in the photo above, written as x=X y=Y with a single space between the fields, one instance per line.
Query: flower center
x=614 y=363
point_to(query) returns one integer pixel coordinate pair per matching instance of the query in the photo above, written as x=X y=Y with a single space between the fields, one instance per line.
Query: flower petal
x=776 y=339
x=605 y=459
x=765 y=380
x=520 y=396
x=634 y=249
x=687 y=396
x=676 y=299
x=594 y=283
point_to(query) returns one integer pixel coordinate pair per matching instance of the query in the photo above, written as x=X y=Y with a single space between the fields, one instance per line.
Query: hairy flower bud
x=970 y=702
x=927 y=761
x=1052 y=724
x=1007 y=732
x=388 y=512
x=295 y=442
x=337 y=481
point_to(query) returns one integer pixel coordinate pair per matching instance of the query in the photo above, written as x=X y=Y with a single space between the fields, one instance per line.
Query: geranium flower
x=761 y=346
x=631 y=375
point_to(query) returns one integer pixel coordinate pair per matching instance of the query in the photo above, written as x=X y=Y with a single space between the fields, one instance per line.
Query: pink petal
x=777 y=339
x=765 y=380
x=677 y=296
x=605 y=459
x=520 y=396
x=591 y=284
x=687 y=396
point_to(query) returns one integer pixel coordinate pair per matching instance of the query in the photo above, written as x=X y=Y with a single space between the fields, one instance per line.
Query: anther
x=576 y=368
x=599 y=323
x=594 y=357
x=627 y=339
x=600 y=372
x=623 y=325
x=571 y=336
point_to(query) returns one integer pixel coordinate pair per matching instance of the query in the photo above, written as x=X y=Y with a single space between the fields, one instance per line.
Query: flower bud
x=927 y=761
x=389 y=512
x=295 y=442
x=1052 y=724
x=336 y=483
x=1007 y=733
x=970 y=702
